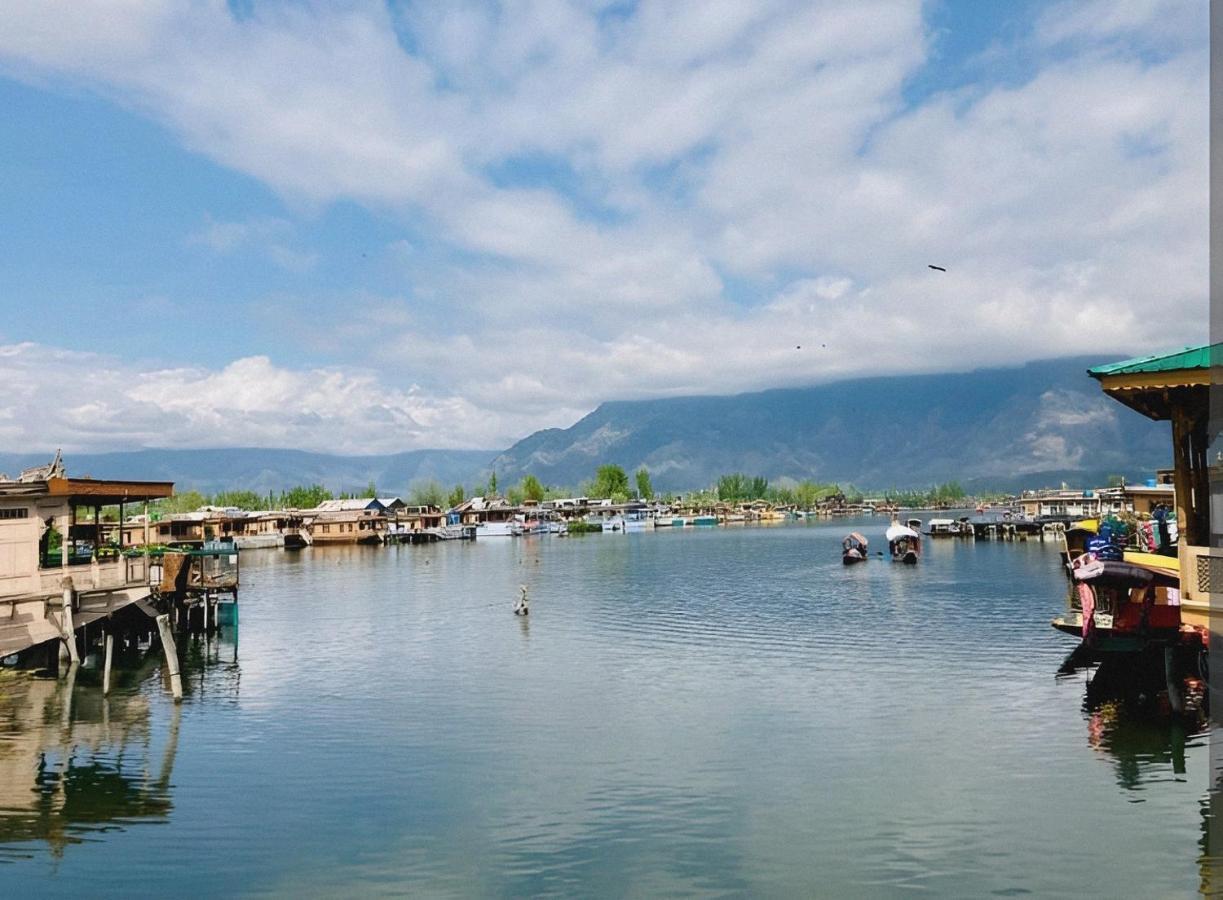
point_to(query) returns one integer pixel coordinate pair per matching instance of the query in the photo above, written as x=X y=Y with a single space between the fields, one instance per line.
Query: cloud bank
x=649 y=199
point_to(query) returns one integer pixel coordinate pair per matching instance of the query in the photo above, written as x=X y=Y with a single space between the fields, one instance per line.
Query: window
x=18 y=512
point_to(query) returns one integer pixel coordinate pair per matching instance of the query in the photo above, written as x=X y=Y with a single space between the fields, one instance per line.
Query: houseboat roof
x=1156 y=385
x=1190 y=358
x=348 y=505
x=92 y=490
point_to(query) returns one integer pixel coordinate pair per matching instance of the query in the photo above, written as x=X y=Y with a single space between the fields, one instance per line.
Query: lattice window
x=19 y=512
x=1209 y=572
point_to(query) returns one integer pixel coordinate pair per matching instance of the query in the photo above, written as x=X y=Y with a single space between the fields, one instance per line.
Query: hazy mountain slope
x=1040 y=423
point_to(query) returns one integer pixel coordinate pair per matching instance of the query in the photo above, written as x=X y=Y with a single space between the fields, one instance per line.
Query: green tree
x=492 y=482
x=304 y=496
x=456 y=496
x=187 y=501
x=732 y=487
x=531 y=488
x=757 y=487
x=515 y=495
x=429 y=493
x=371 y=490
x=645 y=490
x=610 y=482
x=247 y=500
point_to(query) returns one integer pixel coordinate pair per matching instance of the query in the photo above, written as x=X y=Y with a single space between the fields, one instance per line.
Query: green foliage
x=429 y=493
x=531 y=488
x=304 y=497
x=580 y=527
x=645 y=490
x=610 y=482
x=515 y=496
x=492 y=482
x=737 y=487
x=247 y=500
x=187 y=501
x=371 y=491
x=456 y=496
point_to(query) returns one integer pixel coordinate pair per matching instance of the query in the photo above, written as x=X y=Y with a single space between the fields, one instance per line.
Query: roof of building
x=348 y=505
x=1188 y=358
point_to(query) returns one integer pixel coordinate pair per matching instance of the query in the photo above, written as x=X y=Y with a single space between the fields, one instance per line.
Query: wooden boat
x=943 y=528
x=1123 y=607
x=903 y=543
x=853 y=549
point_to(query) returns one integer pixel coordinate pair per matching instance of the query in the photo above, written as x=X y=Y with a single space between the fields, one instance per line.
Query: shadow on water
x=75 y=764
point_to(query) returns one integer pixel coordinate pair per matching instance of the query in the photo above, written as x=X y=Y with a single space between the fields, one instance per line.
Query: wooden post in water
x=66 y=621
x=1174 y=689
x=171 y=651
x=110 y=649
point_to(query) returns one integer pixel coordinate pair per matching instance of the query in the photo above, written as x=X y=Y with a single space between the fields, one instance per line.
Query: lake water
x=697 y=712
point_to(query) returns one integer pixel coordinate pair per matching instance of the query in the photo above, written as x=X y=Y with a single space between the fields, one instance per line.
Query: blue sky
x=375 y=227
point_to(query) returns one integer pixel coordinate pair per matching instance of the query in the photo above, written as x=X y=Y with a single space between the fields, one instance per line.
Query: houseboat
x=361 y=521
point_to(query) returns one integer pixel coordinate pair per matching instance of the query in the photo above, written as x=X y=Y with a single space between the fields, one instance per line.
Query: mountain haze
x=1006 y=429
x=1037 y=424
x=264 y=470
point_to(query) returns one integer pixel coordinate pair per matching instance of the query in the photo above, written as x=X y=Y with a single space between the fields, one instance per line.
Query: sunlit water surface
x=696 y=712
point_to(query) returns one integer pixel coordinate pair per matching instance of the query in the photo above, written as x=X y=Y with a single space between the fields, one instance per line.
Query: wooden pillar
x=1174 y=687
x=66 y=621
x=146 y=527
x=1181 y=475
x=110 y=649
x=171 y=652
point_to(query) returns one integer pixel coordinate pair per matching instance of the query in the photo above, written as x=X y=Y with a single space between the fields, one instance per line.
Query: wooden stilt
x=110 y=649
x=171 y=652
x=66 y=620
x=1174 y=688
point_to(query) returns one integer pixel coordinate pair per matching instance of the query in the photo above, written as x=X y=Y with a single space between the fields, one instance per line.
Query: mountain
x=209 y=471
x=1002 y=428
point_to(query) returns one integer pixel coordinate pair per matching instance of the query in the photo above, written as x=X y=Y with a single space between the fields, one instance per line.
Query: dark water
x=698 y=712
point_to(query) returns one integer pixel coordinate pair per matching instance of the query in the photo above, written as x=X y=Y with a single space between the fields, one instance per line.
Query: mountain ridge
x=1002 y=428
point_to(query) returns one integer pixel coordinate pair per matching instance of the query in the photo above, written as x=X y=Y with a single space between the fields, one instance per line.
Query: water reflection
x=75 y=764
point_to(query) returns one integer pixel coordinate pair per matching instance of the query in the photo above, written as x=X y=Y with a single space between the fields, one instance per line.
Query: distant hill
x=209 y=471
x=1006 y=428
x=1001 y=429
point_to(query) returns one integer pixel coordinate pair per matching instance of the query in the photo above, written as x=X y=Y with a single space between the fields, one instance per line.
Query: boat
x=903 y=543
x=915 y=524
x=1123 y=607
x=853 y=549
x=637 y=520
x=704 y=520
x=943 y=528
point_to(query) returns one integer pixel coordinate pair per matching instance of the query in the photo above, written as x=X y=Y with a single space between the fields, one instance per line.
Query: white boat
x=943 y=528
x=638 y=520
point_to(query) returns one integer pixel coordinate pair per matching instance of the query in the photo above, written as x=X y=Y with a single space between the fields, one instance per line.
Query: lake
x=699 y=712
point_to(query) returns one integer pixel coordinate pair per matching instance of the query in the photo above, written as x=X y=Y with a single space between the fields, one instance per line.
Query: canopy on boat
x=933 y=522
x=854 y=539
x=896 y=532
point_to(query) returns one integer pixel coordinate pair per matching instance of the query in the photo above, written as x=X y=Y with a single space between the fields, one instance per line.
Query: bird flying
x=937 y=268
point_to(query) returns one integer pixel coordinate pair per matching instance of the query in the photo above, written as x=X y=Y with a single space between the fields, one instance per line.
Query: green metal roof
x=1189 y=358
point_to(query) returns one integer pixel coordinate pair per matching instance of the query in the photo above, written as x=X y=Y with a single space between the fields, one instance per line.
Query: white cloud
x=751 y=177
x=84 y=401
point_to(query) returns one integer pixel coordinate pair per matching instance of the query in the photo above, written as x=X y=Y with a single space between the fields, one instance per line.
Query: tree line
x=609 y=482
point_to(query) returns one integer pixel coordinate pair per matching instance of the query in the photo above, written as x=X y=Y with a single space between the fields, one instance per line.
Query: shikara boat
x=853 y=549
x=1123 y=606
x=903 y=543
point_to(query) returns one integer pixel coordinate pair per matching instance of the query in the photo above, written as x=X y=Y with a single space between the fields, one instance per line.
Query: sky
x=367 y=227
